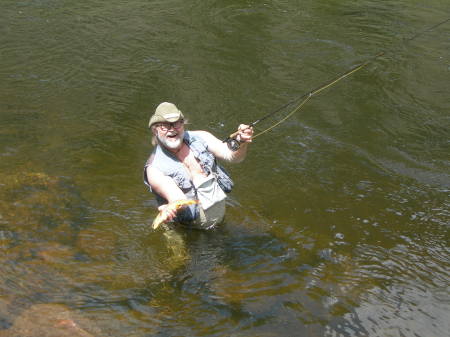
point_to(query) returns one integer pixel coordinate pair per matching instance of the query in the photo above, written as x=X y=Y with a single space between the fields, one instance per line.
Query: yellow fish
x=176 y=205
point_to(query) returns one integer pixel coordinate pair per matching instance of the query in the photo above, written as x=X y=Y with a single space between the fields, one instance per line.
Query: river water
x=339 y=221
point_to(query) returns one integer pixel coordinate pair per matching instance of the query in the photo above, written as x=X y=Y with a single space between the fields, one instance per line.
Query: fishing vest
x=171 y=166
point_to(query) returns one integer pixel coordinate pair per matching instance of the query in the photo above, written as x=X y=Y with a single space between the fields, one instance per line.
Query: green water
x=339 y=221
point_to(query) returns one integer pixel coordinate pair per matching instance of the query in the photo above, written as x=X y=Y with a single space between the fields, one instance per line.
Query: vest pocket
x=184 y=184
x=224 y=179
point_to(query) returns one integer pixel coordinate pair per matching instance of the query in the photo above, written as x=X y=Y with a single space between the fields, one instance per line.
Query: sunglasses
x=168 y=126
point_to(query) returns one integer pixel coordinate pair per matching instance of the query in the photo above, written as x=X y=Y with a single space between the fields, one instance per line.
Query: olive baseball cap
x=166 y=112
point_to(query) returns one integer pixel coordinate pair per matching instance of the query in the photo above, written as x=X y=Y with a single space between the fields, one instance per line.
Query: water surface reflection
x=338 y=225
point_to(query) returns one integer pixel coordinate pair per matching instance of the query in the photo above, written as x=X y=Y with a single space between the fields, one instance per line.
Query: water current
x=338 y=224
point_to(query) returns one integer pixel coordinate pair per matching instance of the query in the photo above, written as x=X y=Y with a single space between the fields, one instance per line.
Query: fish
x=177 y=205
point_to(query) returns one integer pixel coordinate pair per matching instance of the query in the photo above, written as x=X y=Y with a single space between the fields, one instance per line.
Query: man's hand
x=245 y=134
x=169 y=211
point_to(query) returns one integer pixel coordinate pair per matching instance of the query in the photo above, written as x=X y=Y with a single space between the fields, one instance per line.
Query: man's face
x=170 y=135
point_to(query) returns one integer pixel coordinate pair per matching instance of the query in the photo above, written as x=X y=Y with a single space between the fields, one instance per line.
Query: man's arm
x=164 y=185
x=221 y=150
x=166 y=188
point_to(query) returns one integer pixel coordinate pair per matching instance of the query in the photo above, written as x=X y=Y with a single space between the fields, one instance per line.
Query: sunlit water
x=338 y=224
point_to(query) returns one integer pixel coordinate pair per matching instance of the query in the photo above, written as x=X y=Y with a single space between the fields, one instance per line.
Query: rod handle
x=234 y=135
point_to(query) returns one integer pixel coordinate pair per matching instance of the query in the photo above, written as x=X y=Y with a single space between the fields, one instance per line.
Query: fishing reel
x=233 y=144
x=232 y=140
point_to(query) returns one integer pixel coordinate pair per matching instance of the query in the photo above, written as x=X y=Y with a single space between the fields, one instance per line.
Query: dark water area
x=339 y=221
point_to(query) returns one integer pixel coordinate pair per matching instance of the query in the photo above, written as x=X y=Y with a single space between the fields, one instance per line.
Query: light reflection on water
x=338 y=224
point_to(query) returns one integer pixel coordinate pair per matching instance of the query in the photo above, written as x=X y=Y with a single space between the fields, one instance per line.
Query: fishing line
x=319 y=89
x=234 y=143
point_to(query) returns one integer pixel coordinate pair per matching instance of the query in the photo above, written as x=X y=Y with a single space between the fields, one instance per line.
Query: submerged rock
x=51 y=320
x=39 y=207
x=40 y=217
x=97 y=242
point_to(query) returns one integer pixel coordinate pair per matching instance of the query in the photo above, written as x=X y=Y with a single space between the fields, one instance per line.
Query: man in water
x=183 y=166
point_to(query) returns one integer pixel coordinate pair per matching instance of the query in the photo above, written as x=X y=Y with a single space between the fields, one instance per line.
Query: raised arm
x=221 y=150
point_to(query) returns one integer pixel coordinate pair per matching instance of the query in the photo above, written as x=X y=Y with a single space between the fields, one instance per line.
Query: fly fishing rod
x=234 y=144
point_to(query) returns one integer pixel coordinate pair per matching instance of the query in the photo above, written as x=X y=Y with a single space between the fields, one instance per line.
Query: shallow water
x=338 y=223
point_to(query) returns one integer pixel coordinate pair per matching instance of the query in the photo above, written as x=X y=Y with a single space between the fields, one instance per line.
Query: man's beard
x=171 y=143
